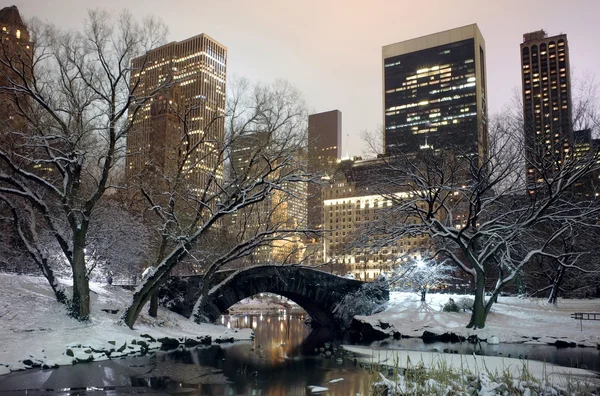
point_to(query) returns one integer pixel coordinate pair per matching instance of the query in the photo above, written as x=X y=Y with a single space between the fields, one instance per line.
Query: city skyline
x=321 y=60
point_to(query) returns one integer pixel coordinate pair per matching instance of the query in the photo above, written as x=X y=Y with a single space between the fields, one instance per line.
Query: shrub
x=465 y=303
x=450 y=306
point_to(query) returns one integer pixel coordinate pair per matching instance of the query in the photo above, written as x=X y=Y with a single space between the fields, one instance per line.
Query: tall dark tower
x=324 y=150
x=546 y=101
x=16 y=52
x=435 y=93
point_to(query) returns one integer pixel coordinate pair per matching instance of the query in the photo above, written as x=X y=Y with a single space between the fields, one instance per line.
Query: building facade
x=354 y=205
x=435 y=93
x=547 y=110
x=186 y=83
x=324 y=151
x=284 y=209
x=16 y=52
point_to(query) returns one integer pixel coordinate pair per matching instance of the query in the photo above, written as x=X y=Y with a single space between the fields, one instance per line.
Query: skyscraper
x=284 y=209
x=16 y=53
x=193 y=73
x=324 y=150
x=546 y=100
x=435 y=95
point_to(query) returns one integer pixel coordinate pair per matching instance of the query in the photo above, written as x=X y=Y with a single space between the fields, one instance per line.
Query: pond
x=283 y=359
x=279 y=361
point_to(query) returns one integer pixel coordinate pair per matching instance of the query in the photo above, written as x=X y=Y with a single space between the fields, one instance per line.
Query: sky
x=331 y=49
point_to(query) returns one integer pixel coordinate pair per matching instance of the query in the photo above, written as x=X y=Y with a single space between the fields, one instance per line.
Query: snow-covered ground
x=481 y=375
x=512 y=319
x=474 y=363
x=34 y=326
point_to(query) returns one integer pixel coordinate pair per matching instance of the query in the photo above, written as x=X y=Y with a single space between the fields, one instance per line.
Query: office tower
x=435 y=95
x=193 y=72
x=16 y=52
x=324 y=150
x=284 y=209
x=546 y=101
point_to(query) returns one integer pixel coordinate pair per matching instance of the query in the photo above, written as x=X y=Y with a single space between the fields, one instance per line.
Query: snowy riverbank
x=412 y=372
x=512 y=320
x=35 y=329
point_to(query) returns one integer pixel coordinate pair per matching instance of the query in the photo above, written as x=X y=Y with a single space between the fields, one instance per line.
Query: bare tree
x=273 y=165
x=118 y=244
x=72 y=92
x=478 y=214
x=422 y=276
x=572 y=269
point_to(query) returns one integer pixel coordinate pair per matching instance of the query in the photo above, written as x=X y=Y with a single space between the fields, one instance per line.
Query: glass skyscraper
x=434 y=94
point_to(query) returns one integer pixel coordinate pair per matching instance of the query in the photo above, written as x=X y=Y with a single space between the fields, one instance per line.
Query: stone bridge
x=320 y=294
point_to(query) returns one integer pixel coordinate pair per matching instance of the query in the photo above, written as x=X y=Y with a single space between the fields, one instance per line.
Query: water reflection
x=279 y=361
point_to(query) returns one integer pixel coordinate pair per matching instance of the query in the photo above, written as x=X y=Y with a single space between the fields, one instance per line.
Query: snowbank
x=35 y=329
x=495 y=364
x=512 y=320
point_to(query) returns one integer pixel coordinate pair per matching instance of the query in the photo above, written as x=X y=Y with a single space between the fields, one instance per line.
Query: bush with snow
x=451 y=306
x=465 y=303
x=369 y=299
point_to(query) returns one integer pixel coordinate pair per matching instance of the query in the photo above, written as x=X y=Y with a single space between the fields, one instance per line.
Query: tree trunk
x=153 y=310
x=207 y=284
x=61 y=297
x=151 y=284
x=479 y=313
x=423 y=293
x=556 y=283
x=80 y=305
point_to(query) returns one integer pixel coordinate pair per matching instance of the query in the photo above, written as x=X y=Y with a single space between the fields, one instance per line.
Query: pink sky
x=331 y=49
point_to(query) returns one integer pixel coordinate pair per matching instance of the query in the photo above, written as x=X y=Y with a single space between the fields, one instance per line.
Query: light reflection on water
x=276 y=362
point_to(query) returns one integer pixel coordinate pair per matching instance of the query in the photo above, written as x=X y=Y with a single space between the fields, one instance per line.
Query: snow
x=336 y=380
x=34 y=326
x=493 y=364
x=512 y=319
x=317 y=389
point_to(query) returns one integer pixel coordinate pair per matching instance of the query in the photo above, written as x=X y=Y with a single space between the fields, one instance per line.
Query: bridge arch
x=317 y=292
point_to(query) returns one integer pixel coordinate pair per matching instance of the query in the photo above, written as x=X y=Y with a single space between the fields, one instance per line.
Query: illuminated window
x=18 y=34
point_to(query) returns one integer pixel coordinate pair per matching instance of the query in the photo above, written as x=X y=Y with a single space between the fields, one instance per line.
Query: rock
x=190 y=342
x=143 y=345
x=121 y=349
x=133 y=342
x=564 y=344
x=328 y=354
x=86 y=360
x=149 y=337
x=384 y=325
x=339 y=361
x=69 y=352
x=112 y=342
x=87 y=351
x=493 y=340
x=169 y=342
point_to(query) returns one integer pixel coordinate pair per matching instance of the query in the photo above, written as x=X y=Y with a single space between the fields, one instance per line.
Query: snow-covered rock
x=36 y=328
x=317 y=389
x=493 y=340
